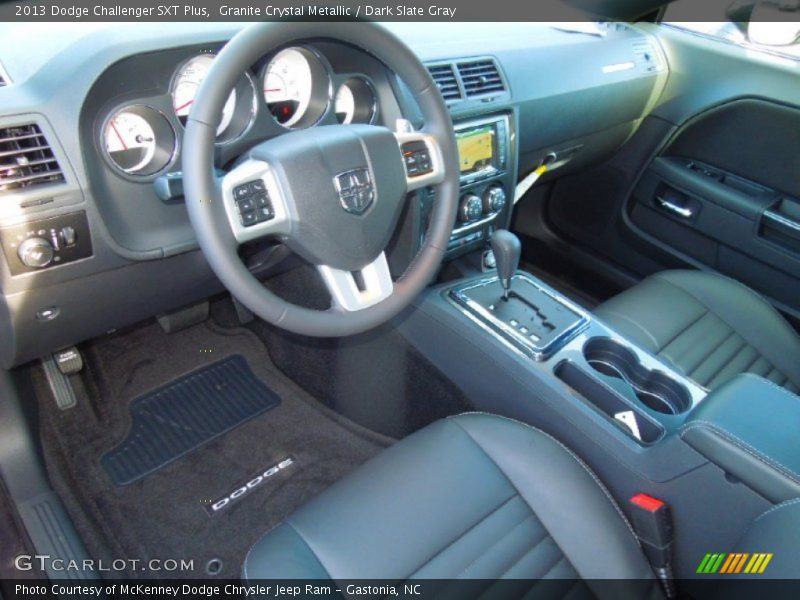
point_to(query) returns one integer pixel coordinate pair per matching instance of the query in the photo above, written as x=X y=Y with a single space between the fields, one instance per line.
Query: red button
x=647 y=502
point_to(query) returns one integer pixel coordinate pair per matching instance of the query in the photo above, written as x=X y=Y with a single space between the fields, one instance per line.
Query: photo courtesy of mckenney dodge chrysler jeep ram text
x=322 y=306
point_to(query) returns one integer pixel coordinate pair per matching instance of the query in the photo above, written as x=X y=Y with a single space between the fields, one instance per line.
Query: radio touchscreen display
x=476 y=149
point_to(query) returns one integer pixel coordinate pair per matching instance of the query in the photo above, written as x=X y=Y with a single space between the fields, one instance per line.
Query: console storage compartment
x=610 y=397
x=749 y=427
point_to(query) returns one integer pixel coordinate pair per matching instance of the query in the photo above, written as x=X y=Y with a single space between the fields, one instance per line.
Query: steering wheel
x=332 y=194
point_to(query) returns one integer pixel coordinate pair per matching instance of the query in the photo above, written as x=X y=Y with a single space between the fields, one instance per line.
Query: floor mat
x=166 y=515
x=185 y=414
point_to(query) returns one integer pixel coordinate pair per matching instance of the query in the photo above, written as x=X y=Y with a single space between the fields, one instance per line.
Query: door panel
x=724 y=191
x=716 y=185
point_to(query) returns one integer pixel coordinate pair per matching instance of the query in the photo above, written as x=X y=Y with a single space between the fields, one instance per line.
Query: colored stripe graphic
x=734 y=562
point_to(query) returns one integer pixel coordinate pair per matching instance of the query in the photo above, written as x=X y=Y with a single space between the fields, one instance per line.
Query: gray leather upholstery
x=776 y=531
x=710 y=327
x=473 y=496
x=755 y=441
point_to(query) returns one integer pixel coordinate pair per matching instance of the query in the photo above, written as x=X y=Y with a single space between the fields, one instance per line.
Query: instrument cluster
x=296 y=87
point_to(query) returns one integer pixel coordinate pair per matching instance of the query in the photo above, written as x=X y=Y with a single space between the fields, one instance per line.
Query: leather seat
x=473 y=496
x=708 y=326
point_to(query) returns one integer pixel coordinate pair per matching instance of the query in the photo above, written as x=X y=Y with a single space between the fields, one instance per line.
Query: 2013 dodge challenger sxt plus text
x=402 y=309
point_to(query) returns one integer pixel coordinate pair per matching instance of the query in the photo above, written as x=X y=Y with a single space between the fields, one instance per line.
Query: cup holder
x=655 y=389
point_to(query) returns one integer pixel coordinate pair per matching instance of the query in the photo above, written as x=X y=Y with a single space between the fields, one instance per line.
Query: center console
x=630 y=388
x=486 y=146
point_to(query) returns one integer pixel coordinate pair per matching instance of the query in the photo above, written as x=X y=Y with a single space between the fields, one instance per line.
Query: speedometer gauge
x=355 y=101
x=139 y=140
x=296 y=87
x=238 y=112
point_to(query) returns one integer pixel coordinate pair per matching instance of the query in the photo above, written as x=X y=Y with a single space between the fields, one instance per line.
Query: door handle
x=681 y=211
x=785 y=225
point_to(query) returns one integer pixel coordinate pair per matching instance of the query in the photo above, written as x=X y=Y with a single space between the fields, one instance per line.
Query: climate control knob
x=470 y=209
x=35 y=253
x=494 y=199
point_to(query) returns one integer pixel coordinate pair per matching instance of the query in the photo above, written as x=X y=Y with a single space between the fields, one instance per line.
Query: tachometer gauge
x=139 y=140
x=237 y=114
x=355 y=101
x=296 y=87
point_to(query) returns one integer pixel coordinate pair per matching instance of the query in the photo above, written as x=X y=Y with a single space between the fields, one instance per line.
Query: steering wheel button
x=241 y=191
x=249 y=218
x=246 y=204
x=264 y=214
x=257 y=186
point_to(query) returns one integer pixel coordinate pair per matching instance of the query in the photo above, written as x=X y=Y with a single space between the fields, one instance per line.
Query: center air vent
x=646 y=56
x=480 y=77
x=26 y=158
x=445 y=78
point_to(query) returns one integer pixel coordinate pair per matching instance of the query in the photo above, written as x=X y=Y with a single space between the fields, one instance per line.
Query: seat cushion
x=710 y=327
x=473 y=496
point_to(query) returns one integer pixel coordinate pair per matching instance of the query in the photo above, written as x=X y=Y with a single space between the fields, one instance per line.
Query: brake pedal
x=57 y=368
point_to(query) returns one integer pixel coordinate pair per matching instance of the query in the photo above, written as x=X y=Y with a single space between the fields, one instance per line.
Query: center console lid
x=750 y=427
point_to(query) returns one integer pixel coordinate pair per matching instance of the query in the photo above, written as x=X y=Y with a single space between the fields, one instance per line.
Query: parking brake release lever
x=507 y=249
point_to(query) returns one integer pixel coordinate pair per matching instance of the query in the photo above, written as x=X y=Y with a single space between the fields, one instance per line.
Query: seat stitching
x=751 y=292
x=740 y=443
x=465 y=532
x=574 y=456
x=685 y=329
x=727 y=360
x=753 y=362
x=713 y=349
x=485 y=551
x=772 y=509
x=632 y=322
x=744 y=346
x=527 y=552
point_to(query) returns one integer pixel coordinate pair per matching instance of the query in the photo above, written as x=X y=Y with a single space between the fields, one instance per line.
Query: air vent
x=480 y=77
x=26 y=158
x=614 y=26
x=445 y=78
x=646 y=56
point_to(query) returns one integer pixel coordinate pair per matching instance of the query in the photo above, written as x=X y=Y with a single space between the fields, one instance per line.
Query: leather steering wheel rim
x=202 y=189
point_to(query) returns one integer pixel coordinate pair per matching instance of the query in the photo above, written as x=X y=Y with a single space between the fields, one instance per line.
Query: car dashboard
x=94 y=232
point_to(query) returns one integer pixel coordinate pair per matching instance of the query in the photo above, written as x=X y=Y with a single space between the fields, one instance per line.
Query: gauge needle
x=184 y=105
x=273 y=90
x=119 y=137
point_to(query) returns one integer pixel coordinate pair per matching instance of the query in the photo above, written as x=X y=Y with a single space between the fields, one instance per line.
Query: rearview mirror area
x=774 y=23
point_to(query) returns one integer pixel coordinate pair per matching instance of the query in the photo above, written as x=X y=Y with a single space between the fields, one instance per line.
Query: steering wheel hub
x=343 y=188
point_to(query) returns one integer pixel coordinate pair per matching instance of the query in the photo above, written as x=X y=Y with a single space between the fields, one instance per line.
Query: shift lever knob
x=506 y=249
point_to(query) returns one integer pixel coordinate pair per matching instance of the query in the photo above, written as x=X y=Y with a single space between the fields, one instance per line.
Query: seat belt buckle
x=652 y=522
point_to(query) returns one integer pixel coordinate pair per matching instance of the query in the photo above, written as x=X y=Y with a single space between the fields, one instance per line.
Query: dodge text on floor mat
x=241 y=491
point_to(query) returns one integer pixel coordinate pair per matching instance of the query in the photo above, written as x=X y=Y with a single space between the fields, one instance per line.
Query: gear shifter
x=506 y=249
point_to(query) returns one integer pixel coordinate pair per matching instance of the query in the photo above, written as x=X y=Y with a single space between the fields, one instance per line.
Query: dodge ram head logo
x=355 y=190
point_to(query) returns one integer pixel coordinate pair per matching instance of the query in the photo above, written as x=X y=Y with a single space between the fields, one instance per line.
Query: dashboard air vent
x=445 y=78
x=646 y=56
x=26 y=158
x=480 y=77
